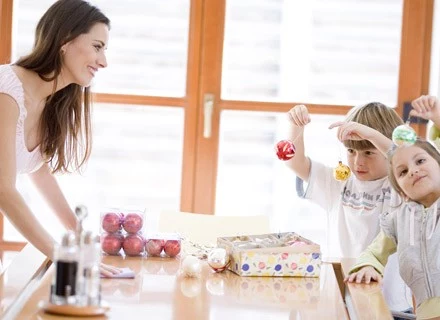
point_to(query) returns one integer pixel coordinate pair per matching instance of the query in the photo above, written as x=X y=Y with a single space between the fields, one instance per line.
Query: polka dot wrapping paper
x=273 y=255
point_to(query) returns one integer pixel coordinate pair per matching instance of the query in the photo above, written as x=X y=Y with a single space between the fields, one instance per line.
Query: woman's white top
x=27 y=161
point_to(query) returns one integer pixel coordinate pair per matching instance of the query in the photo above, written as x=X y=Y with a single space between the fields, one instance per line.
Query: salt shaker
x=91 y=258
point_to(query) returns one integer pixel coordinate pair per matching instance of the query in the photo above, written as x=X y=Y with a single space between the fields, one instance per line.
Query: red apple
x=133 y=244
x=133 y=222
x=111 y=243
x=154 y=247
x=285 y=150
x=172 y=248
x=111 y=222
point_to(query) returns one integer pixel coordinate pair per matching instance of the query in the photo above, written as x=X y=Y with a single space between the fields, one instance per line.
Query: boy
x=353 y=206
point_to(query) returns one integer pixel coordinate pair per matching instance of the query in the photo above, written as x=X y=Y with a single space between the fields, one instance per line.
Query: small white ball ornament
x=191 y=267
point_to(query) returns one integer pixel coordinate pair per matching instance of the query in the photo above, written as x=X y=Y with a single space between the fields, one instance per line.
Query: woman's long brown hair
x=65 y=124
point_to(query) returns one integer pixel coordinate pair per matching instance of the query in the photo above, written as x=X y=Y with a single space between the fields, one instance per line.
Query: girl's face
x=84 y=55
x=367 y=165
x=418 y=174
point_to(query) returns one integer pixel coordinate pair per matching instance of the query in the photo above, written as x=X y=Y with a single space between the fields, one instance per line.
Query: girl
x=412 y=229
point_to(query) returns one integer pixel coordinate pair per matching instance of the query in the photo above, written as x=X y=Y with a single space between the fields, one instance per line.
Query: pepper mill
x=66 y=257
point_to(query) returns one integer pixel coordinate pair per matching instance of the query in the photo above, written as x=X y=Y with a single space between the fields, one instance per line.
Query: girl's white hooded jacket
x=414 y=232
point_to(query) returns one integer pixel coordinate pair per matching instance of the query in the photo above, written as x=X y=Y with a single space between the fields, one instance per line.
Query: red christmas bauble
x=285 y=150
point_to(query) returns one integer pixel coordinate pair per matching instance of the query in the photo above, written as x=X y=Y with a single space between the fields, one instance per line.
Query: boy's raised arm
x=298 y=118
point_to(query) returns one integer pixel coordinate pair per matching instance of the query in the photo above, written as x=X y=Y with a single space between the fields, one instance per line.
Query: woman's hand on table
x=108 y=271
x=365 y=274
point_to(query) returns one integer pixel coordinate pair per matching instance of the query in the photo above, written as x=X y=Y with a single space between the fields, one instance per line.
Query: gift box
x=272 y=255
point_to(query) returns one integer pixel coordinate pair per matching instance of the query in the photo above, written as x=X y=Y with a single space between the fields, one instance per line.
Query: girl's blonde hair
x=375 y=115
x=422 y=144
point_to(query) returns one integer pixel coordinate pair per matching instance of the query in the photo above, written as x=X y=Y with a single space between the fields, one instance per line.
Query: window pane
x=147 y=51
x=321 y=51
x=26 y=15
x=136 y=162
x=251 y=180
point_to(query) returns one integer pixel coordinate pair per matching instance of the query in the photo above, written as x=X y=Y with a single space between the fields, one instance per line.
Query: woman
x=45 y=113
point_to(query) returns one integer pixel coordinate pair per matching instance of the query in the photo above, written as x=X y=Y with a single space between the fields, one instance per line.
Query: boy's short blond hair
x=375 y=115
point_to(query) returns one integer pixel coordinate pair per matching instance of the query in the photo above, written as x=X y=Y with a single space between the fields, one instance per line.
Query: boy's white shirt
x=353 y=209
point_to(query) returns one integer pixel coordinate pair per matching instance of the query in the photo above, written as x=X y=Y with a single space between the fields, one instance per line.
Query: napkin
x=126 y=273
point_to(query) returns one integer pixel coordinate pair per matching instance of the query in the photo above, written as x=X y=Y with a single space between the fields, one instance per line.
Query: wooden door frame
x=415 y=53
x=210 y=82
x=6 y=12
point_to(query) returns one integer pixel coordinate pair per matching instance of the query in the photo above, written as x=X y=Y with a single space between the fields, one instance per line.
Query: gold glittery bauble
x=341 y=172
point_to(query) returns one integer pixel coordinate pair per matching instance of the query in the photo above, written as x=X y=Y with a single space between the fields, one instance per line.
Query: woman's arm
x=12 y=205
x=49 y=188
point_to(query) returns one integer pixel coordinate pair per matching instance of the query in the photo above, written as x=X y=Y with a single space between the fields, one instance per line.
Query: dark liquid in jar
x=66 y=276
